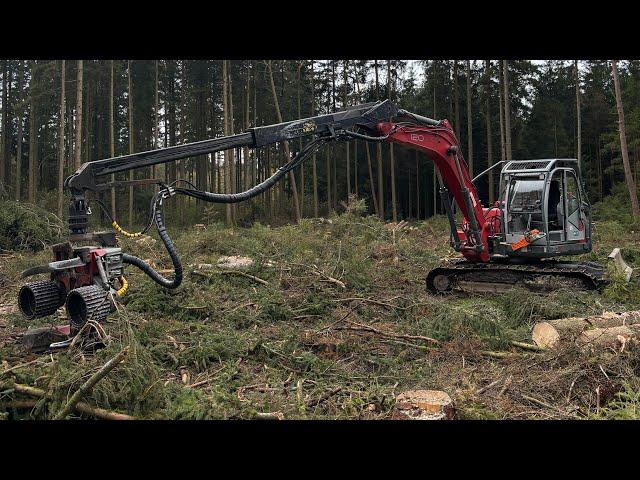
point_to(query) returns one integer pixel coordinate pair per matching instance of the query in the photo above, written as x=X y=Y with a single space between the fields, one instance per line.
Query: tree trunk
x=507 y=111
x=4 y=151
x=433 y=165
x=345 y=103
x=228 y=153
x=456 y=98
x=33 y=137
x=61 y=137
x=579 y=116
x=334 y=159
x=379 y=157
x=246 y=154
x=20 y=119
x=292 y=178
x=631 y=184
x=394 y=208
x=233 y=157
x=299 y=98
x=489 y=136
x=112 y=138
x=469 y=121
x=373 y=185
x=355 y=167
x=86 y=116
x=156 y=123
x=131 y=136
x=329 y=182
x=369 y=166
x=417 y=185
x=78 y=149
x=313 y=159
x=503 y=155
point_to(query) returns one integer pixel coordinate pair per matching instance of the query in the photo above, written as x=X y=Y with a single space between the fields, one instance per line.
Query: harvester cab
x=544 y=210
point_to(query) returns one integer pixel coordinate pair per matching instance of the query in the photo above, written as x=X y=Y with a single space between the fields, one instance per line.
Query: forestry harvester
x=542 y=212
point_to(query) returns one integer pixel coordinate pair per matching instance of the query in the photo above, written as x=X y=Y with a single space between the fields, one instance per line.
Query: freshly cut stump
x=424 y=405
x=550 y=334
x=234 y=262
x=545 y=335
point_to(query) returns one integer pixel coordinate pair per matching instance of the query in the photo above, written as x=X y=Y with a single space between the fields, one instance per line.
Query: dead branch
x=89 y=384
x=101 y=412
x=480 y=391
x=527 y=346
x=16 y=367
x=369 y=328
x=370 y=300
x=538 y=402
x=505 y=387
x=489 y=353
x=323 y=398
x=242 y=274
x=80 y=406
x=231 y=272
x=316 y=271
x=18 y=404
x=269 y=416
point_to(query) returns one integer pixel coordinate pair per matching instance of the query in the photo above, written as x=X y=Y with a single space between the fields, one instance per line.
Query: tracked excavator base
x=541 y=276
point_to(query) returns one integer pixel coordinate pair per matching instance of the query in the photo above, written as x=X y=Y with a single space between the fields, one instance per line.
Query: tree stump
x=424 y=405
x=234 y=262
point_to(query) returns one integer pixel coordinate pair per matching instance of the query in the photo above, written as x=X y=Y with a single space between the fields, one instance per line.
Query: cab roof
x=538 y=166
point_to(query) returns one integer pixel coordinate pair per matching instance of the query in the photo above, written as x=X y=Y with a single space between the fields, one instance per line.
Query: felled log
x=424 y=405
x=612 y=337
x=550 y=334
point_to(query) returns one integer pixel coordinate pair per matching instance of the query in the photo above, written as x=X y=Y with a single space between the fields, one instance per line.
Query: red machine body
x=82 y=275
x=436 y=142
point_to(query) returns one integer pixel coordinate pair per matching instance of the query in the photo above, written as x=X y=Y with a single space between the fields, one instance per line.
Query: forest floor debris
x=330 y=320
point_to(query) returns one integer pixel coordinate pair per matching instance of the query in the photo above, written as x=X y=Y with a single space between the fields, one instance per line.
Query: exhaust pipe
x=39 y=299
x=88 y=303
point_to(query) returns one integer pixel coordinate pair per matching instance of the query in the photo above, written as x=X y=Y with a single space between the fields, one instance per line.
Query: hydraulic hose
x=367 y=138
x=158 y=214
x=257 y=189
x=171 y=250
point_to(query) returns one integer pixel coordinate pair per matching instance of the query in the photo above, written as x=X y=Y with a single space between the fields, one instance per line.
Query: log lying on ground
x=612 y=337
x=424 y=405
x=550 y=334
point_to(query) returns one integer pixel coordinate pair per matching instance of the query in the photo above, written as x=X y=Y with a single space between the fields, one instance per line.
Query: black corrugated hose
x=166 y=191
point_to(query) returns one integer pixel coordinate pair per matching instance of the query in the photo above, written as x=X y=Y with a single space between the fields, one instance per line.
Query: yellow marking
x=124 y=287
x=119 y=229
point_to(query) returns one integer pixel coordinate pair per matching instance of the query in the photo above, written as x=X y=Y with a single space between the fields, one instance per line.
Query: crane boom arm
x=438 y=141
x=365 y=116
